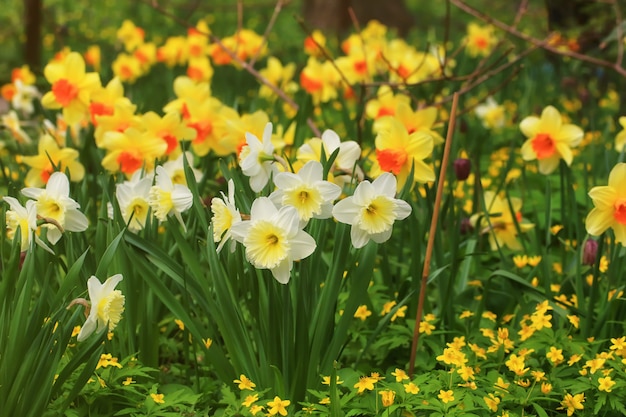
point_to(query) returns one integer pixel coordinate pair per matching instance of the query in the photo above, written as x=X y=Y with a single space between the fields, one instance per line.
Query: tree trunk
x=333 y=15
x=32 y=27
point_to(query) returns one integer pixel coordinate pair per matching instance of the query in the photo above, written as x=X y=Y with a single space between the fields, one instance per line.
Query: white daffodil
x=349 y=154
x=133 y=198
x=491 y=114
x=257 y=159
x=306 y=191
x=225 y=215
x=55 y=206
x=273 y=239
x=372 y=210
x=24 y=97
x=167 y=198
x=107 y=306
x=176 y=169
x=23 y=218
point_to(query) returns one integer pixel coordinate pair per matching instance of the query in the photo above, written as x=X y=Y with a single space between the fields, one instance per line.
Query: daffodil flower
x=107 y=306
x=132 y=197
x=306 y=191
x=257 y=159
x=549 y=140
x=225 y=215
x=273 y=239
x=167 y=198
x=372 y=210
x=609 y=206
x=25 y=219
x=55 y=205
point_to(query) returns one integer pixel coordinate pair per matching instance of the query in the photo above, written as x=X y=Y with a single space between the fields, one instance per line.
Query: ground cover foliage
x=234 y=214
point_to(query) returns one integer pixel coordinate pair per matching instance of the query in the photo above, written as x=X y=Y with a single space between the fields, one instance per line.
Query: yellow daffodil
x=549 y=140
x=480 y=40
x=399 y=152
x=225 y=214
x=609 y=206
x=499 y=221
x=49 y=153
x=71 y=87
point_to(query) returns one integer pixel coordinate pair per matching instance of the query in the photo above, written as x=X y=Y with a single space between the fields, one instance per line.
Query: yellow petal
x=550 y=121
x=598 y=221
x=572 y=135
x=603 y=197
x=617 y=177
x=529 y=126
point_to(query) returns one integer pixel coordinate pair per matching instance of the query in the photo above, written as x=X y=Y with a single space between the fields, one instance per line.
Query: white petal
x=345 y=211
x=382 y=236
x=87 y=329
x=302 y=245
x=262 y=209
x=240 y=230
x=311 y=171
x=53 y=235
x=329 y=191
x=402 y=209
x=75 y=221
x=58 y=185
x=182 y=198
x=386 y=184
x=331 y=141
x=282 y=272
x=287 y=180
x=359 y=237
x=287 y=219
x=33 y=192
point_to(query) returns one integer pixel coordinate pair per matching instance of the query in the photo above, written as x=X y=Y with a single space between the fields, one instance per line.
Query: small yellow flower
x=555 y=355
x=128 y=381
x=400 y=375
x=365 y=383
x=207 y=342
x=534 y=260
x=388 y=397
x=546 y=388
x=277 y=406
x=158 y=398
x=326 y=380
x=492 y=402
x=411 y=388
x=446 y=396
x=244 y=383
x=362 y=312
x=466 y=314
x=250 y=399
x=605 y=384
x=520 y=261
x=571 y=403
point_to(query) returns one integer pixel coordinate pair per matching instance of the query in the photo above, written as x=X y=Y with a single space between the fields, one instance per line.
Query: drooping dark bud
x=462 y=168
x=590 y=252
x=466 y=226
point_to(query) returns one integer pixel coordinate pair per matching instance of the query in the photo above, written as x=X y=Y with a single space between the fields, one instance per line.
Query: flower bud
x=462 y=168
x=590 y=252
x=466 y=226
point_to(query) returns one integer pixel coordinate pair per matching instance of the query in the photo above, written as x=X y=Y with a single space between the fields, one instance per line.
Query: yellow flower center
x=543 y=145
x=110 y=308
x=14 y=222
x=308 y=201
x=266 y=245
x=222 y=219
x=50 y=208
x=161 y=202
x=378 y=216
x=138 y=209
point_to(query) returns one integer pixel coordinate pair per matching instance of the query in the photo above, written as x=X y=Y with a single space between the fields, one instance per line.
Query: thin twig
x=521 y=10
x=545 y=44
x=433 y=230
x=270 y=25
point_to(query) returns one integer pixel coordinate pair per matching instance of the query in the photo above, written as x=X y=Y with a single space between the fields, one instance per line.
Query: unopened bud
x=462 y=168
x=590 y=252
x=466 y=226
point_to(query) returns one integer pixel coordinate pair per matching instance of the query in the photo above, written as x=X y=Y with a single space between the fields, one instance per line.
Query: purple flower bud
x=462 y=168
x=590 y=252
x=466 y=226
